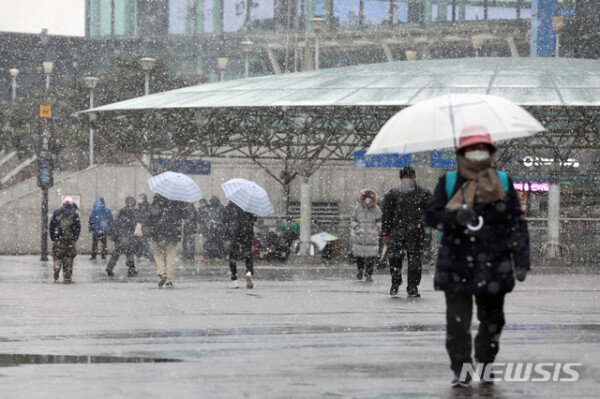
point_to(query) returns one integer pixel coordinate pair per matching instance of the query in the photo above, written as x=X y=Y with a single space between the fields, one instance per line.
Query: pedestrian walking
x=190 y=227
x=215 y=230
x=166 y=220
x=123 y=235
x=64 y=233
x=403 y=229
x=365 y=228
x=239 y=230
x=142 y=246
x=100 y=219
x=484 y=236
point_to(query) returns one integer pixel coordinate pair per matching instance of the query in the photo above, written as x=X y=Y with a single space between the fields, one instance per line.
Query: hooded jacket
x=56 y=233
x=166 y=219
x=100 y=217
x=365 y=226
x=239 y=224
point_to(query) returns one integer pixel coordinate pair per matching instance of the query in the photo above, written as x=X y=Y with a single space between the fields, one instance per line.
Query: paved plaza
x=310 y=334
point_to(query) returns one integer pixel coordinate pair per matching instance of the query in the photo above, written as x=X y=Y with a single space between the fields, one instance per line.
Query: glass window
x=178 y=16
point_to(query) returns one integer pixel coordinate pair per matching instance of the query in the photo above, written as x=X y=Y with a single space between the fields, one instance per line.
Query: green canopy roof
x=526 y=81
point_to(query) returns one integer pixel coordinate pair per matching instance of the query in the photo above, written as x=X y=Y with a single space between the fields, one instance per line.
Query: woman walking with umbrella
x=174 y=192
x=246 y=200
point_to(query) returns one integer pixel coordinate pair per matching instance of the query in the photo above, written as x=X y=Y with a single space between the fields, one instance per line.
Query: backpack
x=66 y=227
x=451 y=182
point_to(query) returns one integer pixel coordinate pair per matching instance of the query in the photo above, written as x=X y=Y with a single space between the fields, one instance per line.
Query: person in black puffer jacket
x=165 y=219
x=239 y=230
x=124 y=239
x=484 y=235
x=403 y=229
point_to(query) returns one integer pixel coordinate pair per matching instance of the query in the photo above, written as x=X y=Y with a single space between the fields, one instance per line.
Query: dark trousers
x=142 y=247
x=126 y=247
x=189 y=246
x=241 y=250
x=95 y=239
x=366 y=264
x=414 y=268
x=459 y=311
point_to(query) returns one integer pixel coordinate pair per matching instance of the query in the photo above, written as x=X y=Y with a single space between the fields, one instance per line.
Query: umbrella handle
x=479 y=225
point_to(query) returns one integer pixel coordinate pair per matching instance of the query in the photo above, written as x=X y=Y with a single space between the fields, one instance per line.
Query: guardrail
x=579 y=237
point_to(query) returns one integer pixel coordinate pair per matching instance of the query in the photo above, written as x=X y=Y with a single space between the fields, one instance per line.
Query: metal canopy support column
x=543 y=38
x=462 y=6
x=427 y=11
x=442 y=11
x=305 y=216
x=553 y=220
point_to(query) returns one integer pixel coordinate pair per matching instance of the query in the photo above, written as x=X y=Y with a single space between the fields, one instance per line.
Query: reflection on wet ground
x=7 y=359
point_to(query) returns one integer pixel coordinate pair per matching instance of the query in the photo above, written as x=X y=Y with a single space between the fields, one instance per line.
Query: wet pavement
x=288 y=337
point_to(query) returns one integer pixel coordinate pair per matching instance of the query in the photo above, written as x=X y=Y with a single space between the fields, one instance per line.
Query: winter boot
x=458 y=382
x=131 y=272
x=413 y=292
x=56 y=275
x=110 y=273
x=368 y=279
x=359 y=275
x=168 y=284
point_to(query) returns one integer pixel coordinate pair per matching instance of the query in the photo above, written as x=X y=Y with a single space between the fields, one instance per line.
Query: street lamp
x=317 y=24
x=147 y=64
x=222 y=64
x=90 y=83
x=247 y=44
x=13 y=77
x=558 y=23
x=411 y=55
x=48 y=67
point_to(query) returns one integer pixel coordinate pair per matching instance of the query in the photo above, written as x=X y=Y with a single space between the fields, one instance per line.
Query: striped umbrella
x=175 y=186
x=249 y=196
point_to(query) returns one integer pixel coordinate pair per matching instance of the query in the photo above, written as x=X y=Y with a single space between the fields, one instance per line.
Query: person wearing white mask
x=365 y=227
x=483 y=247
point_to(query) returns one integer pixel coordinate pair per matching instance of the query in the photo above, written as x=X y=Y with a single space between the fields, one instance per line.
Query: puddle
x=7 y=360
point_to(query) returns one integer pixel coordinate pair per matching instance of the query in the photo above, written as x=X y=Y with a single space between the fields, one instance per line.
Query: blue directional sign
x=442 y=159
x=189 y=167
x=362 y=160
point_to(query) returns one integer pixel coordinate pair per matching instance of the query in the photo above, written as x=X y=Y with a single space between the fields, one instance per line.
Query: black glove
x=521 y=273
x=466 y=216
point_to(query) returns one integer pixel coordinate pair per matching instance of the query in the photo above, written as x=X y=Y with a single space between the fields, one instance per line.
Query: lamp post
x=317 y=24
x=13 y=77
x=558 y=23
x=48 y=67
x=222 y=64
x=147 y=64
x=247 y=44
x=90 y=83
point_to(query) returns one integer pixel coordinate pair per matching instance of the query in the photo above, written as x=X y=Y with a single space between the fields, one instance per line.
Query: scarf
x=482 y=186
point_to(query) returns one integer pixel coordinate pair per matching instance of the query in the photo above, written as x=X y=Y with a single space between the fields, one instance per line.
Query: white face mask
x=477 y=155
x=367 y=201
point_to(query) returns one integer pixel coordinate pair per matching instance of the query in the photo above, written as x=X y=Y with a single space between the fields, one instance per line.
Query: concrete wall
x=20 y=205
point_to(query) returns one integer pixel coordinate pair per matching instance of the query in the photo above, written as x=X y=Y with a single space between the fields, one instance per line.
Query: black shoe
x=132 y=272
x=109 y=273
x=93 y=258
x=413 y=292
x=359 y=275
x=168 y=284
x=394 y=289
x=56 y=275
x=162 y=279
x=457 y=382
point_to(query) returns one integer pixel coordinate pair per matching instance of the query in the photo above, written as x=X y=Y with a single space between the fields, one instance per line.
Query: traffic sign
x=45 y=111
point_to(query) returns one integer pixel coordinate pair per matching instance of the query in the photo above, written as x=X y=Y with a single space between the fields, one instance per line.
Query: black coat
x=403 y=216
x=190 y=226
x=165 y=219
x=239 y=224
x=126 y=222
x=479 y=262
x=56 y=233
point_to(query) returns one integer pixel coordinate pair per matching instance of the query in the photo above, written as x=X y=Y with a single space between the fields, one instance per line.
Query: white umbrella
x=437 y=122
x=175 y=186
x=322 y=239
x=249 y=196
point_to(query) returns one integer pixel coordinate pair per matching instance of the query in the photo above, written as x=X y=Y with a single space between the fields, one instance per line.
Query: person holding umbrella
x=484 y=234
x=483 y=231
x=174 y=192
x=246 y=200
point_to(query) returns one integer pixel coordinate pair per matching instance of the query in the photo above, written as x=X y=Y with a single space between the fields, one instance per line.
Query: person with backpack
x=484 y=244
x=403 y=229
x=166 y=219
x=100 y=219
x=239 y=230
x=365 y=226
x=64 y=231
x=123 y=235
